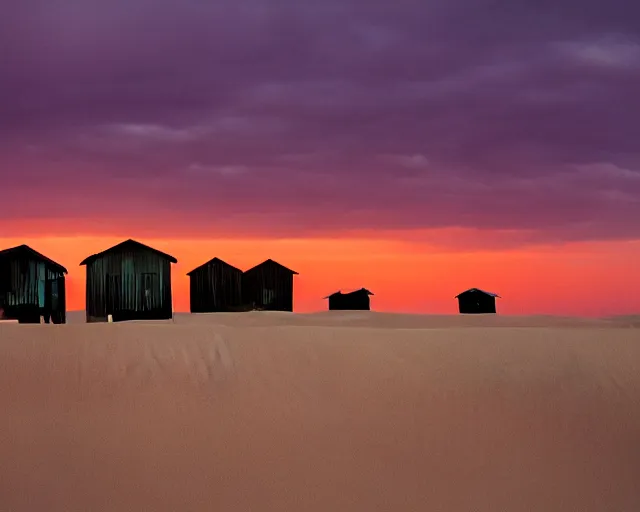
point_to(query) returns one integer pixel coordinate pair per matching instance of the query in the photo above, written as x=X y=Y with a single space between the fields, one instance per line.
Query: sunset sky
x=414 y=147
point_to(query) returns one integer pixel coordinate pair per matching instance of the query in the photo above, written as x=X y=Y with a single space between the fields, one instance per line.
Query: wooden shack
x=476 y=301
x=129 y=281
x=268 y=286
x=357 y=300
x=31 y=286
x=215 y=286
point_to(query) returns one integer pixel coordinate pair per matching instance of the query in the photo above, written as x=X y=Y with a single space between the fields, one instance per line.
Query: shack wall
x=29 y=289
x=351 y=302
x=476 y=303
x=130 y=285
x=215 y=288
x=268 y=287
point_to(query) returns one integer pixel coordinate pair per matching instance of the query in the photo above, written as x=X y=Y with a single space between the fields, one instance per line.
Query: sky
x=417 y=148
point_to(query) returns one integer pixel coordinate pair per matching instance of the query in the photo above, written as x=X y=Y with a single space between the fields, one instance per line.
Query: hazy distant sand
x=281 y=412
x=388 y=320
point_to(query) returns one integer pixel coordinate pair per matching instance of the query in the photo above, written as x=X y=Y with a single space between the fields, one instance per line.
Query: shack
x=268 y=286
x=357 y=300
x=215 y=286
x=31 y=286
x=476 y=301
x=129 y=281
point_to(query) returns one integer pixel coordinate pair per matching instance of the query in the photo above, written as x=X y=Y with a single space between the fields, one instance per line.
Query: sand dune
x=344 y=412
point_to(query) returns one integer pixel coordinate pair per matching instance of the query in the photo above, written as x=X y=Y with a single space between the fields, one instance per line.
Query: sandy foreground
x=326 y=412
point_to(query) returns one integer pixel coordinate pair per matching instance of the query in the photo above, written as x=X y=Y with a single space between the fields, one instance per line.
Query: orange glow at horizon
x=586 y=279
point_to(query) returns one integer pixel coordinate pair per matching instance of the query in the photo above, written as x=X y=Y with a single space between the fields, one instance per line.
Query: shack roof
x=214 y=261
x=270 y=262
x=339 y=292
x=128 y=245
x=25 y=250
x=477 y=290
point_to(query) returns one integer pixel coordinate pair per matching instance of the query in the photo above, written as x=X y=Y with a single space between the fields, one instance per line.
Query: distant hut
x=268 y=286
x=215 y=286
x=475 y=300
x=31 y=286
x=356 y=301
x=130 y=281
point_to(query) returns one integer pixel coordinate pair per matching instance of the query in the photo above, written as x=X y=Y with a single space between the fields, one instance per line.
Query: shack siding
x=23 y=283
x=31 y=287
x=476 y=302
x=350 y=301
x=94 y=299
x=27 y=283
x=215 y=288
x=269 y=287
x=125 y=270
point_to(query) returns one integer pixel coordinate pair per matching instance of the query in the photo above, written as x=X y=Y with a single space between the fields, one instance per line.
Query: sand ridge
x=383 y=320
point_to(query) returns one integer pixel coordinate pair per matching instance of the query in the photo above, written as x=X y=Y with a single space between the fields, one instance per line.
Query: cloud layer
x=292 y=117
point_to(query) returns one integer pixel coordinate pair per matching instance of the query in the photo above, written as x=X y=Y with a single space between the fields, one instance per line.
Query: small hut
x=475 y=300
x=357 y=300
x=268 y=286
x=31 y=286
x=129 y=281
x=215 y=286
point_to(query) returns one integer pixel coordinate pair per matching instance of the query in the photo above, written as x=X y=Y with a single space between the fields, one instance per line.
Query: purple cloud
x=299 y=117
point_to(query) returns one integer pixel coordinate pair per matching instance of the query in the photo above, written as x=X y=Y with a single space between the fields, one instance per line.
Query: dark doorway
x=149 y=285
x=113 y=287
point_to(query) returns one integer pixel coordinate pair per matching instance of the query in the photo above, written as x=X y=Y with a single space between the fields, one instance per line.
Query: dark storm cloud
x=291 y=117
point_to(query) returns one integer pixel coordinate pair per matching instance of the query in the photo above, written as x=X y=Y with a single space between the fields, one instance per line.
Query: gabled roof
x=270 y=262
x=25 y=250
x=214 y=261
x=128 y=245
x=478 y=290
x=361 y=290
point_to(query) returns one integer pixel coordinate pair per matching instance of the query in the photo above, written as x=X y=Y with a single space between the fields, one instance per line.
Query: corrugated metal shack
x=357 y=300
x=130 y=281
x=31 y=286
x=268 y=286
x=215 y=286
x=476 y=301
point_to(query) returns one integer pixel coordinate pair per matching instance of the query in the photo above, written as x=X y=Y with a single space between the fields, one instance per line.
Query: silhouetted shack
x=357 y=300
x=475 y=300
x=31 y=286
x=130 y=281
x=268 y=286
x=215 y=286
